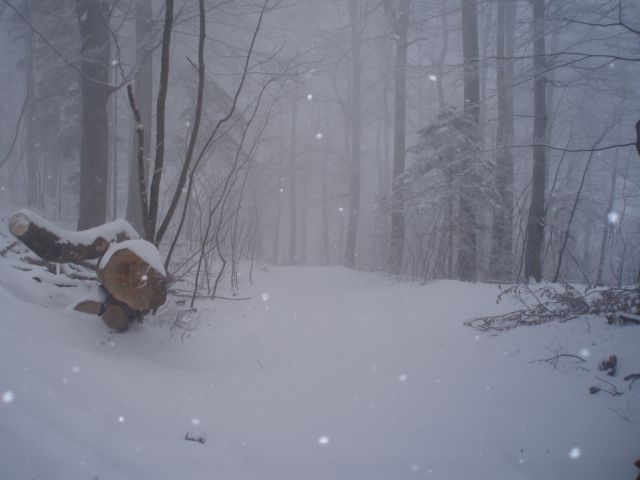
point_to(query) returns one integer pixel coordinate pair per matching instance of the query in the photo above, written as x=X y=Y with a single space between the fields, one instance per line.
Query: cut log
x=117 y=316
x=114 y=314
x=92 y=307
x=133 y=273
x=55 y=245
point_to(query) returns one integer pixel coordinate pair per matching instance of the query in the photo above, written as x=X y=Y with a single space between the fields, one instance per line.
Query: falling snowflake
x=265 y=297
x=584 y=353
x=144 y=277
x=574 y=453
x=324 y=440
x=309 y=97
x=433 y=78
x=8 y=397
x=403 y=377
x=613 y=217
x=282 y=190
x=415 y=467
x=76 y=369
x=195 y=421
x=341 y=209
x=319 y=136
x=121 y=419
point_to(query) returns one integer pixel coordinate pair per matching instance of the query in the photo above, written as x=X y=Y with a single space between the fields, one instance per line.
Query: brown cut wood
x=132 y=281
x=55 y=245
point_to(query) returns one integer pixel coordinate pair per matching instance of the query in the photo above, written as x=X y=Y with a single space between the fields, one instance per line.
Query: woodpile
x=131 y=275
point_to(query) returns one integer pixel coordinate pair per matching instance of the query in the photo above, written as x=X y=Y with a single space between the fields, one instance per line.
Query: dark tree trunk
x=54 y=245
x=536 y=220
x=467 y=257
x=356 y=129
x=502 y=234
x=143 y=92
x=32 y=161
x=93 y=19
x=400 y=21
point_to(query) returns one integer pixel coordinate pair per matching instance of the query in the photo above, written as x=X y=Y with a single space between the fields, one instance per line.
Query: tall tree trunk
x=32 y=160
x=400 y=21
x=536 y=220
x=467 y=256
x=292 y=183
x=326 y=257
x=502 y=234
x=356 y=129
x=143 y=91
x=93 y=19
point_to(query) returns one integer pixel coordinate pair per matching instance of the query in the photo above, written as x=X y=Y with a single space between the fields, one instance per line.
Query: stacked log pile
x=130 y=271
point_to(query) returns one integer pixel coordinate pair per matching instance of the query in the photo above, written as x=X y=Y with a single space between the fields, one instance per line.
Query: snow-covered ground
x=324 y=373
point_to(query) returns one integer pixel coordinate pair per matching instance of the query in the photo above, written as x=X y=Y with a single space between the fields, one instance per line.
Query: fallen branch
x=614 y=392
x=554 y=360
x=633 y=377
x=8 y=248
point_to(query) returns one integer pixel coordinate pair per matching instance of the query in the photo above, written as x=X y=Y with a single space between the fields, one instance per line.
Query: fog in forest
x=472 y=140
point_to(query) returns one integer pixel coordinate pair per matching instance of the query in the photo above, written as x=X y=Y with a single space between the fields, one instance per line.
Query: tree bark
x=356 y=129
x=55 y=245
x=400 y=21
x=292 y=183
x=501 y=264
x=467 y=255
x=143 y=91
x=93 y=19
x=536 y=220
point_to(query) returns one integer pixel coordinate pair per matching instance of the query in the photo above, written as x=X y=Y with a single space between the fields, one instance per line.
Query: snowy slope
x=325 y=373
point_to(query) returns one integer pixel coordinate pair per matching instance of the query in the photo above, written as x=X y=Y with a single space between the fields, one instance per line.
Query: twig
x=6 y=249
x=614 y=392
x=633 y=377
x=555 y=358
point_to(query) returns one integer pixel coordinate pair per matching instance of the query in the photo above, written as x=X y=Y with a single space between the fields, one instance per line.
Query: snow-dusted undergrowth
x=325 y=373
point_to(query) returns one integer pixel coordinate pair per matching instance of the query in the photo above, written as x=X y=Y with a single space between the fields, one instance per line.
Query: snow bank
x=324 y=373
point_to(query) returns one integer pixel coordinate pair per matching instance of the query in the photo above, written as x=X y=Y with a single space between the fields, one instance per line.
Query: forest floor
x=323 y=373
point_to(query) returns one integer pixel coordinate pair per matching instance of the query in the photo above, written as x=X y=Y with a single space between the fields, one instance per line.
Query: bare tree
x=536 y=220
x=467 y=259
x=93 y=19
x=399 y=14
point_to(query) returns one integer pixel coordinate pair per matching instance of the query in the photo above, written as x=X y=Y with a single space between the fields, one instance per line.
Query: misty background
x=464 y=139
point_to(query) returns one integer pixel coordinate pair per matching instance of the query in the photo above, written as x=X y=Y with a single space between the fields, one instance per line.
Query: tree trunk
x=132 y=272
x=356 y=129
x=32 y=161
x=467 y=256
x=400 y=21
x=143 y=88
x=93 y=19
x=55 y=245
x=536 y=220
x=292 y=183
x=502 y=234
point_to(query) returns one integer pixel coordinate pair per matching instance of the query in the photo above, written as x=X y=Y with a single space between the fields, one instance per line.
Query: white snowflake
x=8 y=397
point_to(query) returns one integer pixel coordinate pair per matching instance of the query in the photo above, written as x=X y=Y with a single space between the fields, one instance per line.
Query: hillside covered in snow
x=316 y=373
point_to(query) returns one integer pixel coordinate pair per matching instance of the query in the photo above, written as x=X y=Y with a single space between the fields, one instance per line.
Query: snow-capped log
x=56 y=245
x=133 y=273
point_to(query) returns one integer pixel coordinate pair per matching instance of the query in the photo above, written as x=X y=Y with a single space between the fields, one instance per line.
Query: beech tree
x=93 y=20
